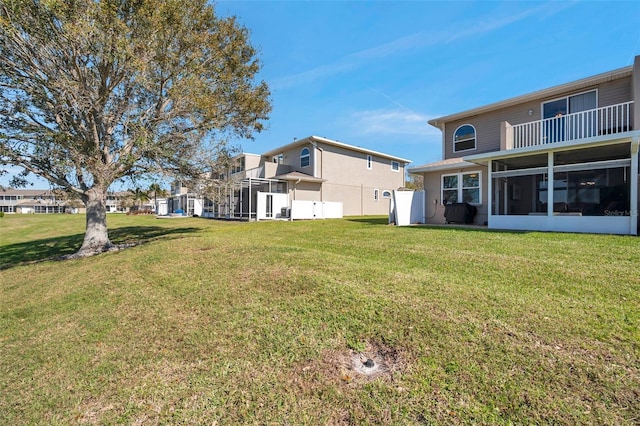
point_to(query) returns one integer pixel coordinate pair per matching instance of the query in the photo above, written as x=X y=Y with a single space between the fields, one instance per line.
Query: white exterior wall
x=279 y=201
x=557 y=223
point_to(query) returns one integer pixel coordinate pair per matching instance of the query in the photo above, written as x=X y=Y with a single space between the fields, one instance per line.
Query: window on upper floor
x=464 y=138
x=369 y=162
x=305 y=157
x=395 y=166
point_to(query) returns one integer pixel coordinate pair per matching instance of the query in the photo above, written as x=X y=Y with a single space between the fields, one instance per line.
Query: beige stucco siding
x=488 y=125
x=291 y=158
x=357 y=199
x=306 y=191
x=347 y=179
x=251 y=161
x=336 y=164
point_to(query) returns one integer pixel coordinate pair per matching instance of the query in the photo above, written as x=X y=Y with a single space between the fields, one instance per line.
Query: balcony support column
x=550 y=185
x=506 y=136
x=633 y=202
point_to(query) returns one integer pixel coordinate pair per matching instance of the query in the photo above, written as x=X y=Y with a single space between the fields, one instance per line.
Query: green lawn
x=261 y=323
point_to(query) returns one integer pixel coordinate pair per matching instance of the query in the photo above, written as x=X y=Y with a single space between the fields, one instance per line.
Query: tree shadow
x=55 y=248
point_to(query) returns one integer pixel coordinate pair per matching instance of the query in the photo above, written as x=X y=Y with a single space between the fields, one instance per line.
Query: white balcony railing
x=607 y=120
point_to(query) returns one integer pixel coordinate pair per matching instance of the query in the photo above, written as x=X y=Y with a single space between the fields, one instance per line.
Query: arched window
x=386 y=194
x=305 y=157
x=464 y=138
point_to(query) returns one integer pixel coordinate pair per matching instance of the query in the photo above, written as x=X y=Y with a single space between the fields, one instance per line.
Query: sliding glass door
x=561 y=120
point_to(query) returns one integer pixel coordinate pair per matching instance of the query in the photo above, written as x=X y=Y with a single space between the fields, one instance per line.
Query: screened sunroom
x=576 y=188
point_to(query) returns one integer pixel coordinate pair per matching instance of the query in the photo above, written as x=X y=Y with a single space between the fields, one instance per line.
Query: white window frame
x=306 y=156
x=386 y=194
x=397 y=166
x=369 y=162
x=475 y=138
x=461 y=188
x=376 y=195
x=566 y=98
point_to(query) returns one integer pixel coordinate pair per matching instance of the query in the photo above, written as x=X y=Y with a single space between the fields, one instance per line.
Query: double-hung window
x=462 y=188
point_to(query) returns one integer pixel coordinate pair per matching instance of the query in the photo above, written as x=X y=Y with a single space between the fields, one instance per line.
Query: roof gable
x=316 y=139
x=540 y=94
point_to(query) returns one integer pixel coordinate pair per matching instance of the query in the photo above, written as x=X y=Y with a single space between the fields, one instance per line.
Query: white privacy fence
x=301 y=209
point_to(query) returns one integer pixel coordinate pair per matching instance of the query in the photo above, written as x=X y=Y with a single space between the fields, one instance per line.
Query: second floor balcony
x=605 y=121
x=266 y=171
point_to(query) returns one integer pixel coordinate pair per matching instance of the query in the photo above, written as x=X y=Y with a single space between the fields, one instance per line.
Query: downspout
x=442 y=127
x=294 y=198
x=444 y=140
x=294 y=187
x=315 y=146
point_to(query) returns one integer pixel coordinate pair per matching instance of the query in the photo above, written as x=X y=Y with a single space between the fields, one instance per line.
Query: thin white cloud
x=392 y=122
x=414 y=41
x=404 y=107
x=485 y=26
x=350 y=62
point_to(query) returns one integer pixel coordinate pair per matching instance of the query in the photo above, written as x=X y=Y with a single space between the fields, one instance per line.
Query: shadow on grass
x=53 y=248
x=377 y=220
x=369 y=220
x=467 y=228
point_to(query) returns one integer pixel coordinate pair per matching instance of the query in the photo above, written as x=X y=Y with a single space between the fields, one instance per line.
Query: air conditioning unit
x=285 y=212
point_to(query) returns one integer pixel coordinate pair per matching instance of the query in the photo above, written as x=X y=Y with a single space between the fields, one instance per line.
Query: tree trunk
x=96 y=238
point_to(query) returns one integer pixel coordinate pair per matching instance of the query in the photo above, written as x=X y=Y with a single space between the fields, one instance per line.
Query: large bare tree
x=92 y=91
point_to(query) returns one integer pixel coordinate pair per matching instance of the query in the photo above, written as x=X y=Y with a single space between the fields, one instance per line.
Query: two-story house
x=31 y=201
x=559 y=159
x=48 y=201
x=313 y=169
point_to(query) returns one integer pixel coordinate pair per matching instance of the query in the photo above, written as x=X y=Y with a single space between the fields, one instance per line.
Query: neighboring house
x=33 y=201
x=559 y=159
x=183 y=200
x=326 y=174
x=46 y=201
x=118 y=202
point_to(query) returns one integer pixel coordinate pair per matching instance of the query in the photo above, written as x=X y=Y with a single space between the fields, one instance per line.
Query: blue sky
x=372 y=73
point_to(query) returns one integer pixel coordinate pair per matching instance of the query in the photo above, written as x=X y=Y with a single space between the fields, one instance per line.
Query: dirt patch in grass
x=345 y=379
x=353 y=368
